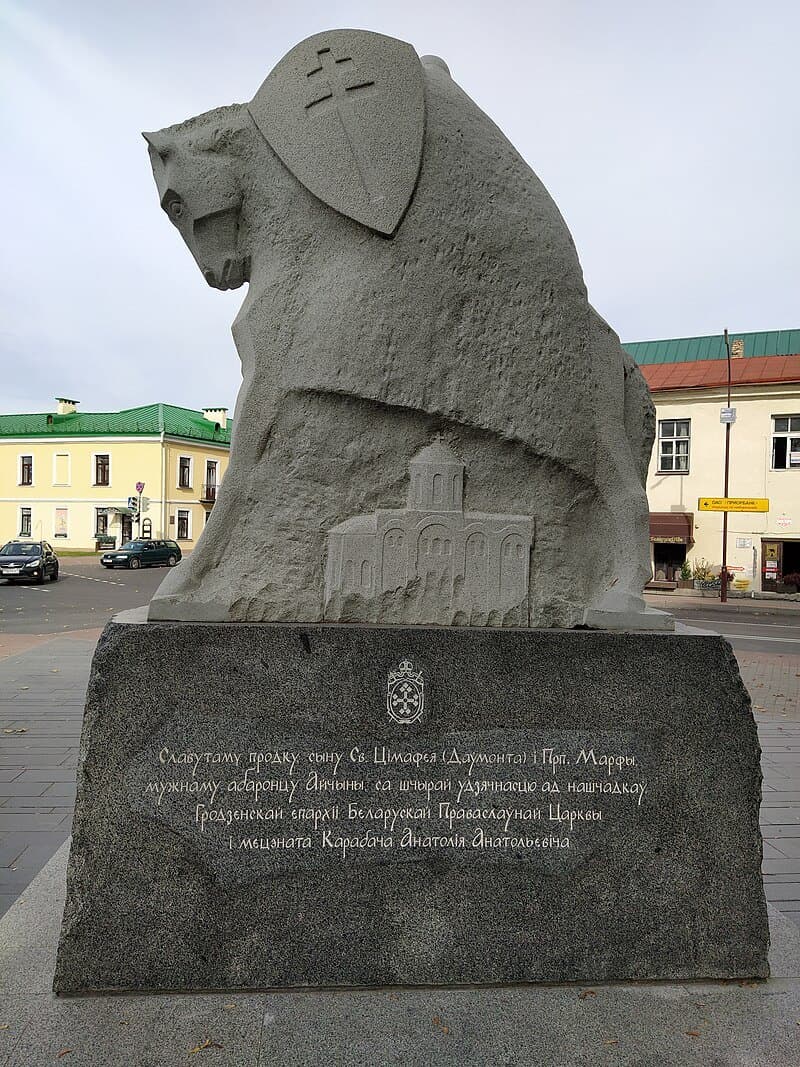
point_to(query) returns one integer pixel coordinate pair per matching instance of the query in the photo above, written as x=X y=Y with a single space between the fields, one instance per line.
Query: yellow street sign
x=732 y=503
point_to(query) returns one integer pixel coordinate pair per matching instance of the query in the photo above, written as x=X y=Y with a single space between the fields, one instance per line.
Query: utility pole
x=727 y=416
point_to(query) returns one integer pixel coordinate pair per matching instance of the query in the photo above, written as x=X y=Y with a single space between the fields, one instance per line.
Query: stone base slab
x=266 y=806
x=735 y=1024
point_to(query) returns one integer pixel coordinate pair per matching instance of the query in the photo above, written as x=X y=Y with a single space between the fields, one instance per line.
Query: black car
x=35 y=560
x=142 y=553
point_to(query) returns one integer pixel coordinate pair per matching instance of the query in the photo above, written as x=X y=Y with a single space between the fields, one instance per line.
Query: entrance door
x=127 y=528
x=667 y=561
x=770 y=565
x=790 y=559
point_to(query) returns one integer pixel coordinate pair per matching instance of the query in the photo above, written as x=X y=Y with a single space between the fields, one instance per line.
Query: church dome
x=438 y=452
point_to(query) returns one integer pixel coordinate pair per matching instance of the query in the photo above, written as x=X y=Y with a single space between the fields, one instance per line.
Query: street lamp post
x=727 y=416
x=140 y=490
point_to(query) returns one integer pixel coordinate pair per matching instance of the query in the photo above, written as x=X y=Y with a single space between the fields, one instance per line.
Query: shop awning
x=119 y=511
x=671 y=528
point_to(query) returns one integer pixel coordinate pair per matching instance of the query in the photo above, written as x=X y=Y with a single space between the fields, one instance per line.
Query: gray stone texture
x=713 y=1024
x=470 y=322
x=666 y=888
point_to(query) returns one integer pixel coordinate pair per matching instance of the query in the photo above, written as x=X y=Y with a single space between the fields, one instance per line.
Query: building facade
x=68 y=476
x=688 y=381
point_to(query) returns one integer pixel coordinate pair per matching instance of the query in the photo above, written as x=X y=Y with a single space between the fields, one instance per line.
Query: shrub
x=701 y=570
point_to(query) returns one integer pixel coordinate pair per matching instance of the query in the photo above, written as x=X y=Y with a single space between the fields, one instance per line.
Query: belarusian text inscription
x=292 y=803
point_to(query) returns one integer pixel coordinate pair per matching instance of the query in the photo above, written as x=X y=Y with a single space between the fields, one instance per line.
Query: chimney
x=219 y=415
x=737 y=348
x=66 y=407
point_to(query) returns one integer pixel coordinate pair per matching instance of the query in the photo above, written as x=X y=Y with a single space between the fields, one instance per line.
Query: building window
x=100 y=522
x=210 y=484
x=185 y=472
x=785 y=442
x=25 y=522
x=102 y=469
x=183 y=525
x=60 y=526
x=61 y=468
x=26 y=470
x=673 y=446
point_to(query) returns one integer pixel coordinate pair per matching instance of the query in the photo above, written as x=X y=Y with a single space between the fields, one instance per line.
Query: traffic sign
x=140 y=487
x=732 y=503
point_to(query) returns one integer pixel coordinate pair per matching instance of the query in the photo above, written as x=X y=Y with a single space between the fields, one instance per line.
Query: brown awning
x=671 y=527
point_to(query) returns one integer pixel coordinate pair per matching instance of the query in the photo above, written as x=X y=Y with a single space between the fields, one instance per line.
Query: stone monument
x=402 y=717
x=409 y=278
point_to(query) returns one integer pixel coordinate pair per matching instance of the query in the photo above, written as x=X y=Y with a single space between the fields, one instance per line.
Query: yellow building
x=688 y=381
x=71 y=477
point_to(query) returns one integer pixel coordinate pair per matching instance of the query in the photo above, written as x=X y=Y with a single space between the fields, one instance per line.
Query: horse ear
x=158 y=143
x=345 y=112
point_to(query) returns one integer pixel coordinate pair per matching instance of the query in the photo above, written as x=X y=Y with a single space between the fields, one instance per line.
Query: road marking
x=88 y=578
x=750 y=637
x=732 y=622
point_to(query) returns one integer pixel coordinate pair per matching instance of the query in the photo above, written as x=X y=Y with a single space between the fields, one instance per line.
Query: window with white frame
x=785 y=442
x=184 y=472
x=24 y=522
x=183 y=525
x=26 y=470
x=60 y=524
x=673 y=446
x=100 y=522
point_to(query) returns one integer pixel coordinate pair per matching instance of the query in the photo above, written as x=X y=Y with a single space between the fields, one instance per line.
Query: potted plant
x=685 y=581
x=703 y=575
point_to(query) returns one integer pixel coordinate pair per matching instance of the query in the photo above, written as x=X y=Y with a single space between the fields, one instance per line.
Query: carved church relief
x=474 y=563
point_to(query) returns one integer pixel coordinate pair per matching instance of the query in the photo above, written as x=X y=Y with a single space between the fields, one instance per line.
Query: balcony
x=208 y=494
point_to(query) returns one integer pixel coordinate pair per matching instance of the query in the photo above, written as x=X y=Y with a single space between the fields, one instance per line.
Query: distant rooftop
x=151 y=419
x=692 y=349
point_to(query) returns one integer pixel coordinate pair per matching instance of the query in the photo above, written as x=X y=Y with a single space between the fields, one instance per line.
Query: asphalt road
x=85 y=595
x=749 y=628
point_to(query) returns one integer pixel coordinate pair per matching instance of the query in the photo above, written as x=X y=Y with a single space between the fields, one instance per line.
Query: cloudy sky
x=667 y=133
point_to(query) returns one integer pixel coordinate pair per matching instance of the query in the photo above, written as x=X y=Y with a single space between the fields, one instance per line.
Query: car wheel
x=134 y=563
x=54 y=575
x=40 y=577
x=171 y=561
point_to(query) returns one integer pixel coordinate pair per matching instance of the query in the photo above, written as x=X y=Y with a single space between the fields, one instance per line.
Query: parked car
x=34 y=560
x=142 y=553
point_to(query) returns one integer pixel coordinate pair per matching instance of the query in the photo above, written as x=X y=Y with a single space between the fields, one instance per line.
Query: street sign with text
x=732 y=503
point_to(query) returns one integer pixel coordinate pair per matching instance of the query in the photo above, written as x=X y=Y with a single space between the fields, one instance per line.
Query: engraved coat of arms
x=405 y=693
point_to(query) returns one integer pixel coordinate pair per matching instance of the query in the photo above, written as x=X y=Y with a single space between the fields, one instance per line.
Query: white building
x=688 y=380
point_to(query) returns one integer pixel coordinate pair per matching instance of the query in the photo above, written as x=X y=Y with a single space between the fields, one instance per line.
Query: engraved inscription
x=293 y=803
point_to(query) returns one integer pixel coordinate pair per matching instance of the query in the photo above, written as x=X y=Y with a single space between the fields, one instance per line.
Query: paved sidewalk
x=42 y=688
x=42 y=692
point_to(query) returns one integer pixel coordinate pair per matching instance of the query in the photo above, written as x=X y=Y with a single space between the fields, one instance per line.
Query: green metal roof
x=691 y=349
x=152 y=419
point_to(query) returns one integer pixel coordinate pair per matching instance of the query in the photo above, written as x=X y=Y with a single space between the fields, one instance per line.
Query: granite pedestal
x=270 y=806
